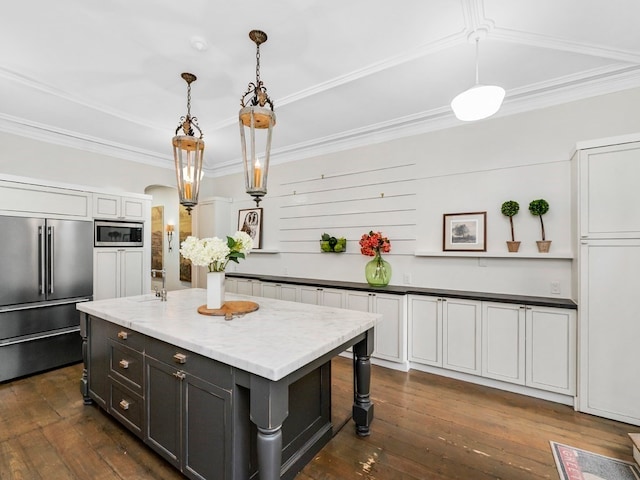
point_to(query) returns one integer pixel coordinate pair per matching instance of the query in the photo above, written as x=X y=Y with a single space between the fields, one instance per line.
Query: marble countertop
x=272 y=342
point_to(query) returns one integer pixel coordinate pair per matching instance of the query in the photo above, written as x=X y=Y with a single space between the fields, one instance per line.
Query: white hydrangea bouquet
x=214 y=252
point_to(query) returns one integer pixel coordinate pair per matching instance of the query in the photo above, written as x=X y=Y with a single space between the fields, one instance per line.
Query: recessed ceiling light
x=199 y=43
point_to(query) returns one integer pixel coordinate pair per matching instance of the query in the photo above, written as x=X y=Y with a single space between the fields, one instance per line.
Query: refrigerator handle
x=50 y=248
x=41 y=258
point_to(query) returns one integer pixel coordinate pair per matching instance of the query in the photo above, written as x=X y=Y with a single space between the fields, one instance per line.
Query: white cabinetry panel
x=503 y=342
x=425 y=330
x=551 y=349
x=609 y=191
x=117 y=272
x=462 y=335
x=117 y=207
x=610 y=330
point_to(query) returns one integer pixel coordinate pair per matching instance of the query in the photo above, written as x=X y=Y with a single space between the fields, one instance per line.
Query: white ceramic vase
x=215 y=290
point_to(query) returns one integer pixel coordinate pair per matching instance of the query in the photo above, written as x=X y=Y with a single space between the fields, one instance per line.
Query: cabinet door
x=163 y=402
x=289 y=293
x=332 y=298
x=461 y=335
x=602 y=212
x=270 y=290
x=106 y=206
x=247 y=286
x=551 y=349
x=425 y=330
x=106 y=273
x=133 y=208
x=609 y=330
x=390 y=331
x=98 y=356
x=360 y=301
x=230 y=285
x=207 y=430
x=131 y=272
x=503 y=342
x=309 y=295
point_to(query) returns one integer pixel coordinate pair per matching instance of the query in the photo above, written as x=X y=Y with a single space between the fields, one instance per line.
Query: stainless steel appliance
x=46 y=267
x=118 y=234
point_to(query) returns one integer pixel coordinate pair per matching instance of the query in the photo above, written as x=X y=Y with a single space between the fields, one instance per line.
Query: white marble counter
x=272 y=342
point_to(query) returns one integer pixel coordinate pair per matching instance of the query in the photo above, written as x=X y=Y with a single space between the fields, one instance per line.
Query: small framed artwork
x=250 y=222
x=464 y=232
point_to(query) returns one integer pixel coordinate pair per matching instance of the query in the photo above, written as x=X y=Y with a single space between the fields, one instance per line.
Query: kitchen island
x=224 y=399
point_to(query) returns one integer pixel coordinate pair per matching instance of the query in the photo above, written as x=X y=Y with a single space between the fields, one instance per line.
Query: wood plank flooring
x=425 y=427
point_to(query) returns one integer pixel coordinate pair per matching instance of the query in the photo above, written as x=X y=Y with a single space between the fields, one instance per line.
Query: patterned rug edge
x=574 y=463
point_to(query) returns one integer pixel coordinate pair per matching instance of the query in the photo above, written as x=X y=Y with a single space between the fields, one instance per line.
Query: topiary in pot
x=509 y=209
x=539 y=208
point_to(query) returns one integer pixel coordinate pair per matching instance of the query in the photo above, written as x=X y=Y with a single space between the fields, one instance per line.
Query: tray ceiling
x=105 y=76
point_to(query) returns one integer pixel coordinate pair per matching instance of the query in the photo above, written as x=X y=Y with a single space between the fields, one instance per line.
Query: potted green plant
x=539 y=208
x=509 y=209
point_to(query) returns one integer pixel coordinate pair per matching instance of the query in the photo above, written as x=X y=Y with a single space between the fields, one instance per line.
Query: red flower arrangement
x=373 y=243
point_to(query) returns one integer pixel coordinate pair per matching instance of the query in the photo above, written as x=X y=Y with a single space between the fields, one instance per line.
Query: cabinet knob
x=124 y=405
x=180 y=375
x=123 y=363
x=122 y=335
x=180 y=358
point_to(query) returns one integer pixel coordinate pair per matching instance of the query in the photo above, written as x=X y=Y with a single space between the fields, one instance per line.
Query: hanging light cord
x=477 y=55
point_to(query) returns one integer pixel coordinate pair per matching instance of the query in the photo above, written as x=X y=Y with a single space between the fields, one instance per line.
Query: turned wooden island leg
x=269 y=406
x=362 y=412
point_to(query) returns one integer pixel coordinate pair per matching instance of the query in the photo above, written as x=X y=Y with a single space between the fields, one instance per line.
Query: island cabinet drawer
x=127 y=337
x=126 y=365
x=127 y=406
x=205 y=368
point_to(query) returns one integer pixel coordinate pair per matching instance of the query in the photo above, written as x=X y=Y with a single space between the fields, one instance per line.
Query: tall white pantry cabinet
x=608 y=274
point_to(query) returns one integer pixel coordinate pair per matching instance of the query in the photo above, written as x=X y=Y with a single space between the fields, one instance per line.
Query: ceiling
x=104 y=76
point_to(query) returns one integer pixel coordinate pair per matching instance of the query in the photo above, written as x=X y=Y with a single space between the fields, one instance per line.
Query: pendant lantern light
x=480 y=101
x=256 y=120
x=188 y=152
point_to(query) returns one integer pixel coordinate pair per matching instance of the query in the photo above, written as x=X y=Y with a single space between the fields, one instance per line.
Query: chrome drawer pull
x=181 y=375
x=123 y=363
x=123 y=335
x=180 y=358
x=124 y=405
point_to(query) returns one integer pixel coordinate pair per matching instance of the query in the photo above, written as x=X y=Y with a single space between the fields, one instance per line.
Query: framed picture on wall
x=250 y=222
x=464 y=232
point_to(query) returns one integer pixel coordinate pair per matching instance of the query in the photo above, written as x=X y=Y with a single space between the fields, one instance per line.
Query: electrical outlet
x=555 y=287
x=285 y=271
x=407 y=279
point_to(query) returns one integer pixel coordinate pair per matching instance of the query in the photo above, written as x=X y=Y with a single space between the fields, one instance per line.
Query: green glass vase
x=378 y=272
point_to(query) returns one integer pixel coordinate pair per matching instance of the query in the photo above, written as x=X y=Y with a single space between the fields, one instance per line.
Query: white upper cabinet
x=122 y=208
x=609 y=193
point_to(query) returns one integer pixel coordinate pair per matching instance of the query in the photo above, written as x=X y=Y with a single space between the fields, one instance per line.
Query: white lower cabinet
x=519 y=344
x=280 y=291
x=390 y=332
x=551 y=349
x=461 y=339
x=425 y=330
x=117 y=272
x=328 y=297
x=503 y=342
x=248 y=286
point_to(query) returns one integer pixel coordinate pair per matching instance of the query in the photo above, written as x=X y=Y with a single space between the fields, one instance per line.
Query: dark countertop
x=413 y=290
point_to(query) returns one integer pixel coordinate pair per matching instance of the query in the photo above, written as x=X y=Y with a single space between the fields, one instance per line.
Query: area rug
x=576 y=464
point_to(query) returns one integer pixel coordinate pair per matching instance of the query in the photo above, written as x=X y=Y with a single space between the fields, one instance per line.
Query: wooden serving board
x=230 y=308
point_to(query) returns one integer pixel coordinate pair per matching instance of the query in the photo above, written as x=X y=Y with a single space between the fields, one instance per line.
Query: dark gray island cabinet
x=243 y=399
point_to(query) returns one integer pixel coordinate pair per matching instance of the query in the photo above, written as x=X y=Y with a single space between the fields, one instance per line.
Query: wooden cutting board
x=229 y=309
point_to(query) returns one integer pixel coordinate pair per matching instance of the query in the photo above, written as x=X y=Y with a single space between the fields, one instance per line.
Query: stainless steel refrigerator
x=46 y=267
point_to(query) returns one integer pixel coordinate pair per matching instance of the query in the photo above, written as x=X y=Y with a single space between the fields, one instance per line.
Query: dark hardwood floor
x=426 y=427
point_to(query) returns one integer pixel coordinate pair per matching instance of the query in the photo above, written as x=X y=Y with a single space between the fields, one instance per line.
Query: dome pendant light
x=480 y=101
x=188 y=151
x=256 y=119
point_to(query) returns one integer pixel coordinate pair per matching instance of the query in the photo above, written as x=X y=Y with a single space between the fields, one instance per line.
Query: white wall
x=474 y=167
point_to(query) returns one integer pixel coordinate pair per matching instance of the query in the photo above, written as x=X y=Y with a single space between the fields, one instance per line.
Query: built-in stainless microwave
x=116 y=233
